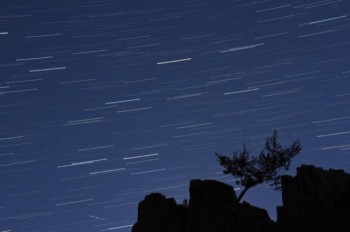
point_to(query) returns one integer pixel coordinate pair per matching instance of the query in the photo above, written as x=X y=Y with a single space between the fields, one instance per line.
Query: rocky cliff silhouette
x=315 y=200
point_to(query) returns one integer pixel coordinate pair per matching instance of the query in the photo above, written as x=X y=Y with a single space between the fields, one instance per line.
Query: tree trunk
x=242 y=193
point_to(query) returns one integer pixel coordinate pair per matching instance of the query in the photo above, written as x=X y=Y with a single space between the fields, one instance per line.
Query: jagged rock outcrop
x=212 y=208
x=156 y=213
x=315 y=200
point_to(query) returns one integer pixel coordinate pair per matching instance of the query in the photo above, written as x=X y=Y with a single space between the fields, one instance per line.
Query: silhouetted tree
x=254 y=170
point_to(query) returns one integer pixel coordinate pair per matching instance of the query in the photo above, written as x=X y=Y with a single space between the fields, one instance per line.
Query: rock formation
x=212 y=208
x=314 y=200
x=159 y=214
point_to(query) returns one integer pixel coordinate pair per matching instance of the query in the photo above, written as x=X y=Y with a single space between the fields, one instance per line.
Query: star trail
x=105 y=101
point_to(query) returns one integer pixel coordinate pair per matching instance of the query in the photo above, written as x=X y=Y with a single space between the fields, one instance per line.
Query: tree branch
x=242 y=193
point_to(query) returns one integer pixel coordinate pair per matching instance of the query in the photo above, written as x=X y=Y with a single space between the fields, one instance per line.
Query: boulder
x=212 y=207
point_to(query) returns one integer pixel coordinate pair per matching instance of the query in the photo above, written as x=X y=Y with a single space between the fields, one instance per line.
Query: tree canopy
x=253 y=170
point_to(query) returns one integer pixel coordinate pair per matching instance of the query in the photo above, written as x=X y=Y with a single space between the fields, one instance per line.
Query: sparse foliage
x=254 y=170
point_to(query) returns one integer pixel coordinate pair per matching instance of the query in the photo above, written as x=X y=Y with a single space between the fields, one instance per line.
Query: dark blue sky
x=103 y=102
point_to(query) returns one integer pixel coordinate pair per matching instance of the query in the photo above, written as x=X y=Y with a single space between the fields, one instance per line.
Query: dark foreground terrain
x=315 y=200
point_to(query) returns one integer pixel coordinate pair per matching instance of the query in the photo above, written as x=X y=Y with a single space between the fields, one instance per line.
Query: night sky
x=103 y=102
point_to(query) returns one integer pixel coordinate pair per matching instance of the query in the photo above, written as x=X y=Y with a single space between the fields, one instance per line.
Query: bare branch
x=254 y=170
